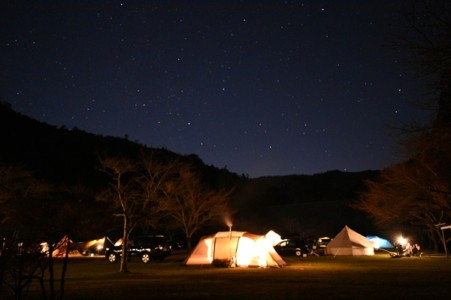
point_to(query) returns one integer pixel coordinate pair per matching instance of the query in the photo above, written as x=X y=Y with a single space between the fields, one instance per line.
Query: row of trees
x=417 y=192
x=145 y=191
x=149 y=191
x=32 y=211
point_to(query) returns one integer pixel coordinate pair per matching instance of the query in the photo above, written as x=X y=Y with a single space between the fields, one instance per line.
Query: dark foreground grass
x=377 y=277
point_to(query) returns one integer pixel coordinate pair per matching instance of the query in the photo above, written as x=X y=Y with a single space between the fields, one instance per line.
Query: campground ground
x=325 y=277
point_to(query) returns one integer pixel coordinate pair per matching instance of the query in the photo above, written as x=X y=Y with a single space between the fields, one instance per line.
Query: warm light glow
x=402 y=240
x=262 y=245
x=97 y=243
x=242 y=248
x=44 y=247
x=245 y=252
x=253 y=252
x=273 y=237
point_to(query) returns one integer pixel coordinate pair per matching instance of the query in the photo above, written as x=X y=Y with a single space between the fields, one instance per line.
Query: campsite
x=323 y=277
x=350 y=268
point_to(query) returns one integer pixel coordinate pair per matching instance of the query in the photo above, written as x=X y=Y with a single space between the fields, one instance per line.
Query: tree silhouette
x=33 y=211
x=408 y=194
x=191 y=204
x=135 y=192
x=418 y=192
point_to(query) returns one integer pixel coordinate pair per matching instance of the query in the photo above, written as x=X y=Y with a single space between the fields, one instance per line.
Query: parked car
x=146 y=248
x=321 y=244
x=323 y=241
x=296 y=247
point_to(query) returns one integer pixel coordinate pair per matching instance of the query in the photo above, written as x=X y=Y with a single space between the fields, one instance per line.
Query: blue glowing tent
x=379 y=242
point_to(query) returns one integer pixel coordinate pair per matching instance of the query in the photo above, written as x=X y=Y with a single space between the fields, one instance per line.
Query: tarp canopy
x=240 y=248
x=380 y=243
x=349 y=242
x=94 y=247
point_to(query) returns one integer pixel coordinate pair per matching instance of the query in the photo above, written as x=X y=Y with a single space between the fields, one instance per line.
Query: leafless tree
x=125 y=195
x=32 y=212
x=417 y=192
x=135 y=192
x=408 y=193
x=192 y=204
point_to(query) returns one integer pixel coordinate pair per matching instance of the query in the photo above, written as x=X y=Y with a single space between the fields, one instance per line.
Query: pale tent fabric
x=203 y=253
x=273 y=237
x=242 y=248
x=349 y=242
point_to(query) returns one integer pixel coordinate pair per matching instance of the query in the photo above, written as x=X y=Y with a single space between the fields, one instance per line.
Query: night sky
x=258 y=87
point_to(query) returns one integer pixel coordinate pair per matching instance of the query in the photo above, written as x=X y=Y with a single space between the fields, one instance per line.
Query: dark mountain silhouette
x=306 y=205
x=300 y=204
x=71 y=156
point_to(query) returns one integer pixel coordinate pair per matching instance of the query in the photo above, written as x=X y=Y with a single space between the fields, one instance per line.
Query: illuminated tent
x=349 y=242
x=60 y=247
x=380 y=243
x=239 y=248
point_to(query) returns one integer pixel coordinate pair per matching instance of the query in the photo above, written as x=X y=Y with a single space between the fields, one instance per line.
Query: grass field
x=326 y=277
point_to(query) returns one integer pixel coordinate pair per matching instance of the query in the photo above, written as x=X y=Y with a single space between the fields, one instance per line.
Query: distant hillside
x=301 y=204
x=70 y=156
x=307 y=205
x=331 y=185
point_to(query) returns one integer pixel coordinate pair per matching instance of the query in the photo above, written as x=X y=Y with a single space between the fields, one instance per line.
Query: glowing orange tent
x=239 y=248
